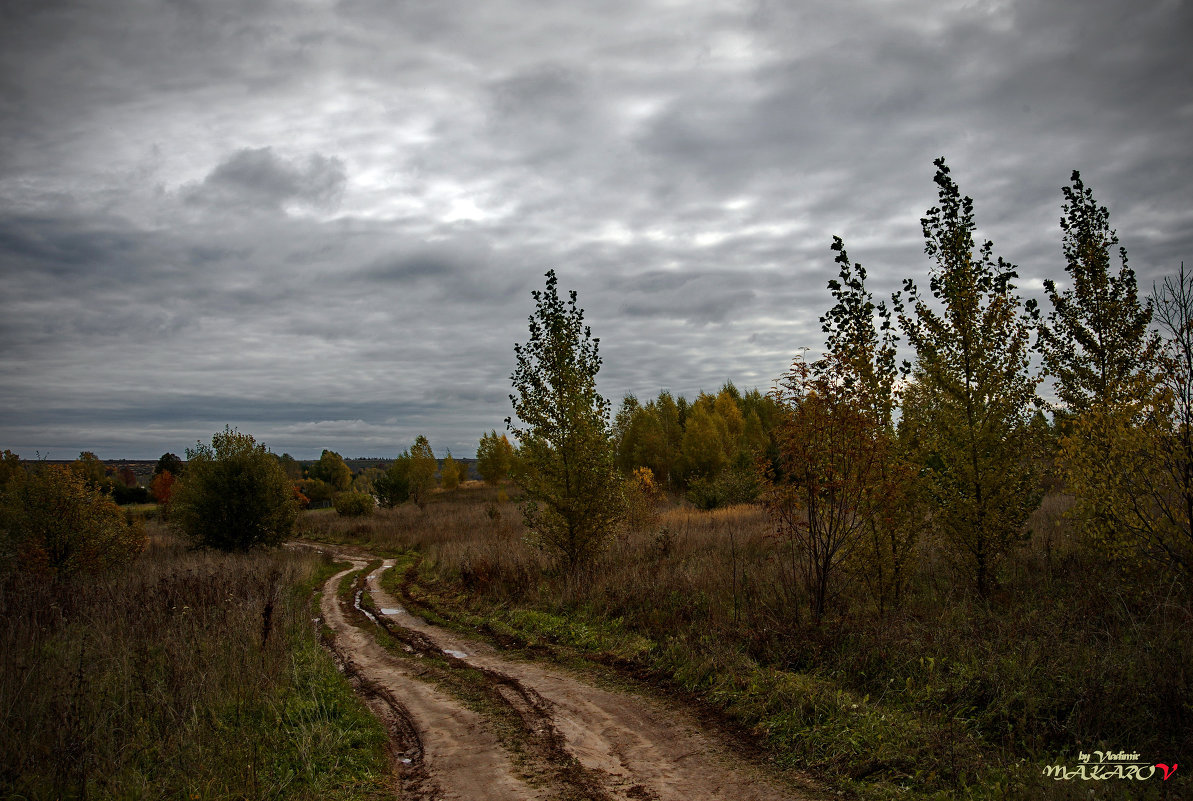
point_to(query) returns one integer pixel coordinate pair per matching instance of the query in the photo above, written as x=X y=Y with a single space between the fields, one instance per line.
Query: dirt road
x=529 y=731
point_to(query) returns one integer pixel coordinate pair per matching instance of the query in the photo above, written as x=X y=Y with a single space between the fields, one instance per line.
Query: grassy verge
x=864 y=746
x=807 y=722
x=189 y=676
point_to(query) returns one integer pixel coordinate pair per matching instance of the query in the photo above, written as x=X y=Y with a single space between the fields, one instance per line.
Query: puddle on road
x=361 y=609
x=396 y=610
x=455 y=653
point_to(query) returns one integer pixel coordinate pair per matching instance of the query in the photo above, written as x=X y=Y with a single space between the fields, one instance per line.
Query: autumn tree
x=89 y=467
x=291 y=466
x=11 y=471
x=822 y=498
x=1170 y=536
x=234 y=495
x=494 y=457
x=972 y=365
x=421 y=473
x=332 y=469
x=760 y=413
x=1095 y=341
x=861 y=347
x=1139 y=495
x=702 y=447
x=168 y=462
x=859 y=354
x=651 y=438
x=316 y=491
x=450 y=472
x=836 y=462
x=162 y=487
x=572 y=493
x=365 y=481
x=629 y=409
x=643 y=496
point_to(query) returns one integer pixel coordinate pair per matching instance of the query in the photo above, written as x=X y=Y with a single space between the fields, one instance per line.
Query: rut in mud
x=457 y=756
x=541 y=732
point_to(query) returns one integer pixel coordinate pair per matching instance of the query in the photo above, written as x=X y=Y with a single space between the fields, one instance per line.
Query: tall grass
x=188 y=675
x=949 y=694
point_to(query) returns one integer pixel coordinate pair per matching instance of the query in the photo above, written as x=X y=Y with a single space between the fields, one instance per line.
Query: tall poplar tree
x=572 y=492
x=972 y=343
x=1097 y=345
x=1095 y=341
x=862 y=355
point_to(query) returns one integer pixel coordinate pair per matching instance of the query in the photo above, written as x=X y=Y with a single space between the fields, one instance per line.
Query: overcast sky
x=321 y=222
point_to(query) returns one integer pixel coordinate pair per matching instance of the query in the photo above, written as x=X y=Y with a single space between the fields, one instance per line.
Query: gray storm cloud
x=256 y=178
x=322 y=223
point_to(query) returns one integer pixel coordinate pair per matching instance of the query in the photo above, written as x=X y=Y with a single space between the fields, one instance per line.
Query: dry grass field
x=187 y=675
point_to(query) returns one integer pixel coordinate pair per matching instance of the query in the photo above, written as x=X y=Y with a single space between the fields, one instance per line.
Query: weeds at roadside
x=172 y=679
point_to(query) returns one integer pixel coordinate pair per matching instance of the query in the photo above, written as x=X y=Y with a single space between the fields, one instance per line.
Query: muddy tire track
x=542 y=747
x=452 y=752
x=594 y=742
x=405 y=746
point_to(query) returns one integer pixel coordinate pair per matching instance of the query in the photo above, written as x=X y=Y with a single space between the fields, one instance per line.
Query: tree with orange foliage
x=162 y=487
x=822 y=497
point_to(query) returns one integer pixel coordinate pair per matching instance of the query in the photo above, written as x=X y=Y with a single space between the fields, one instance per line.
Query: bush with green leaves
x=234 y=496
x=392 y=487
x=353 y=504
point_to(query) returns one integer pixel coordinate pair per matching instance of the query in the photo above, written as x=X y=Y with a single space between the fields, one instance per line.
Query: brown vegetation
x=188 y=675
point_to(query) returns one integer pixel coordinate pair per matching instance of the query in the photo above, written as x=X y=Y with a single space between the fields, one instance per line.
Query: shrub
x=354 y=504
x=643 y=497
x=316 y=492
x=57 y=522
x=393 y=486
x=124 y=495
x=234 y=495
x=731 y=486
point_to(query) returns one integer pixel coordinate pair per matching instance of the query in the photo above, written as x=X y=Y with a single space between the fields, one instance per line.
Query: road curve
x=443 y=750
x=627 y=746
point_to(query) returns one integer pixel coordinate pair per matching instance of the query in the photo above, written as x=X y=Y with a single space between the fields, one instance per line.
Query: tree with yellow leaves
x=972 y=342
x=1137 y=495
x=1097 y=344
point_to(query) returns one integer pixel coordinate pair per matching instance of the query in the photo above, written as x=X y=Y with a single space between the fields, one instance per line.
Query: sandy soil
x=578 y=740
